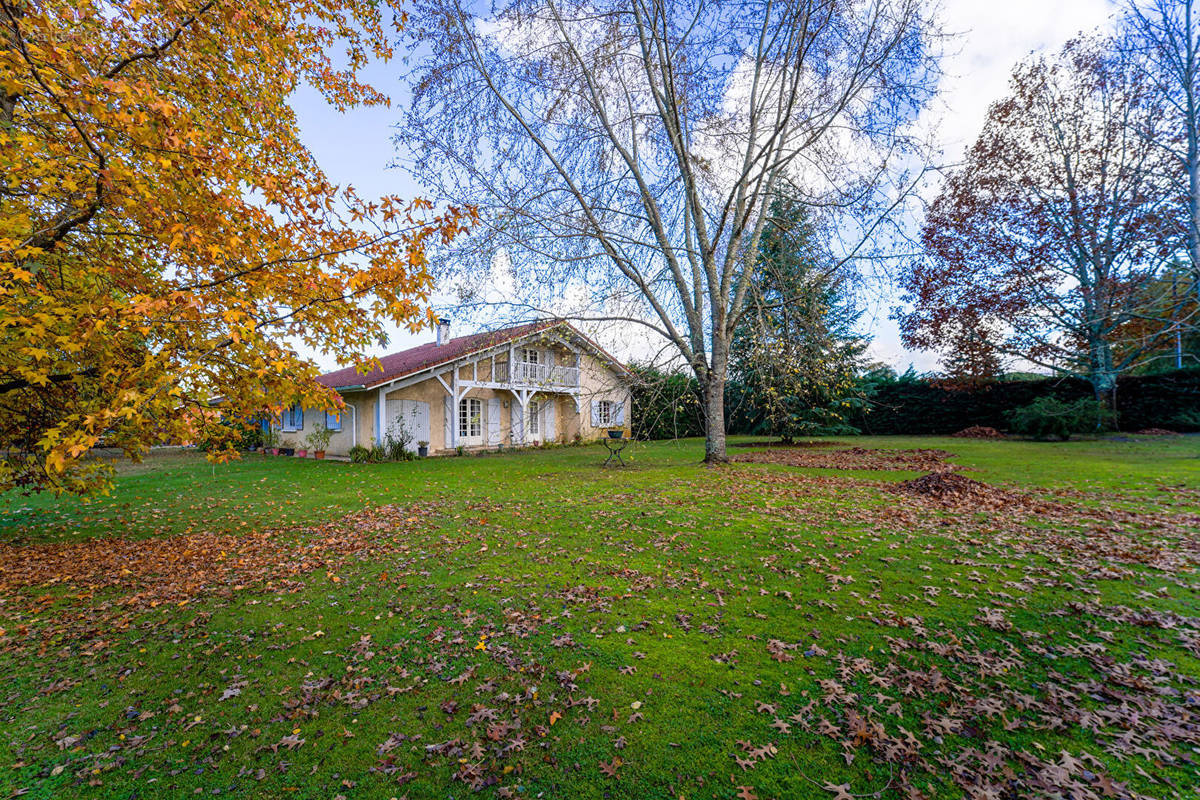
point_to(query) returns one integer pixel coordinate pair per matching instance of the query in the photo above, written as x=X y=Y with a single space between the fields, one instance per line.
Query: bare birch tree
x=627 y=151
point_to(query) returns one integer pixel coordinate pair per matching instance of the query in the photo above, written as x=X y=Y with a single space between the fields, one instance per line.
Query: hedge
x=666 y=406
x=1166 y=400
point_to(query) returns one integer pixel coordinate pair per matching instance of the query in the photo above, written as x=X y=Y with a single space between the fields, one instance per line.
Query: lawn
x=802 y=623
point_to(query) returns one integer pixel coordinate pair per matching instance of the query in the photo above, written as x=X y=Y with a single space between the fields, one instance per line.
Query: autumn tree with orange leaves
x=164 y=232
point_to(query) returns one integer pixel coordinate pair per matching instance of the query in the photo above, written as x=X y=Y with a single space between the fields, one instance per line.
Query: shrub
x=1048 y=417
x=396 y=443
x=360 y=454
x=319 y=438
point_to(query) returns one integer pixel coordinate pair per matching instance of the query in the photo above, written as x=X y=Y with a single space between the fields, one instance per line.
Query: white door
x=493 y=421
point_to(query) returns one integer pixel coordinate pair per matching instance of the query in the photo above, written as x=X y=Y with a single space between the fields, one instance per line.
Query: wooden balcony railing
x=523 y=374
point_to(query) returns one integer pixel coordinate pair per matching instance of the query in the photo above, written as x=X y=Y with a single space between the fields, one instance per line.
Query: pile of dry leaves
x=952 y=490
x=978 y=432
x=803 y=443
x=922 y=460
x=1156 y=432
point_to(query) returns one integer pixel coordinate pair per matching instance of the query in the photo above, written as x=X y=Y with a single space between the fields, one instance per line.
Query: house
x=518 y=386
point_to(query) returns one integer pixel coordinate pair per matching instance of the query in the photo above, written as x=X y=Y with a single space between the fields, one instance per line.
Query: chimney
x=443 y=331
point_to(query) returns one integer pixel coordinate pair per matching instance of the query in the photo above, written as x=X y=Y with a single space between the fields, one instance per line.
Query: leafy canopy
x=164 y=233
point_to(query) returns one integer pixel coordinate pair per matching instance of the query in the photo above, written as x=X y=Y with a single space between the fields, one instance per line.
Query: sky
x=991 y=36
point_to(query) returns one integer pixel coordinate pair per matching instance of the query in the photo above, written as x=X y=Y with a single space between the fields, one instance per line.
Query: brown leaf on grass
x=840 y=791
x=147 y=573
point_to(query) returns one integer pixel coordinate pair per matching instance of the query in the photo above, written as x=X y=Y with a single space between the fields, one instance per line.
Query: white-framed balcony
x=542 y=376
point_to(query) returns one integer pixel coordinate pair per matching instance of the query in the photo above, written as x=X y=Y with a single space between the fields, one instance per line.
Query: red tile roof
x=416 y=359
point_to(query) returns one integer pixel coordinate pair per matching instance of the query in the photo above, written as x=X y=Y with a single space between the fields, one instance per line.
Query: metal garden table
x=614 y=448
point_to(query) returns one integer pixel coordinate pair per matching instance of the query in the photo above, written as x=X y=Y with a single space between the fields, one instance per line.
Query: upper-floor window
x=531 y=356
x=470 y=418
x=293 y=418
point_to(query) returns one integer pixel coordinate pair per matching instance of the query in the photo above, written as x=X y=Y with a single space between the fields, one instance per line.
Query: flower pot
x=615 y=434
x=287 y=451
x=318 y=453
x=274 y=451
x=301 y=452
x=423 y=451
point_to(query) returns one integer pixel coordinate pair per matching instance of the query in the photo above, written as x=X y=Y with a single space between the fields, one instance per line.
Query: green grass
x=683 y=572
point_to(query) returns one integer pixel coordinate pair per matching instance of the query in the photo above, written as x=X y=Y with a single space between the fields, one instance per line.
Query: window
x=470 y=418
x=293 y=418
x=333 y=422
x=534 y=429
x=604 y=415
x=530 y=356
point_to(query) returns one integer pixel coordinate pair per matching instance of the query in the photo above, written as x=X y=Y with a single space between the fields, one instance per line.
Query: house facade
x=520 y=386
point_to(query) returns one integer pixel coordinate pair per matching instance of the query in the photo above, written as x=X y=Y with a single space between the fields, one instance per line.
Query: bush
x=377 y=454
x=396 y=443
x=666 y=405
x=1049 y=417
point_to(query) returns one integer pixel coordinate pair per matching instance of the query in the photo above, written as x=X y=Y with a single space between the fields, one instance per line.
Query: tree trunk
x=714 y=419
x=1104 y=380
x=1193 y=170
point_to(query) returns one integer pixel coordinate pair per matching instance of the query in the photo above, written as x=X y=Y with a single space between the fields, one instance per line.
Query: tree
x=970 y=357
x=627 y=151
x=795 y=349
x=1166 y=35
x=1043 y=244
x=164 y=233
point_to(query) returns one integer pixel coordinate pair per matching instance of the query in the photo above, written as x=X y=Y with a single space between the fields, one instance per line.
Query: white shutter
x=493 y=421
x=517 y=416
x=393 y=417
x=595 y=413
x=416 y=419
x=619 y=413
x=449 y=420
x=549 y=434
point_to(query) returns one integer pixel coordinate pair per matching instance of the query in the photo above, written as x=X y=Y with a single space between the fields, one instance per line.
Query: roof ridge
x=430 y=354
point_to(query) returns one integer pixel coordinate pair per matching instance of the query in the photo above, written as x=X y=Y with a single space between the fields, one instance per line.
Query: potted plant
x=271 y=441
x=423 y=449
x=286 y=447
x=318 y=440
